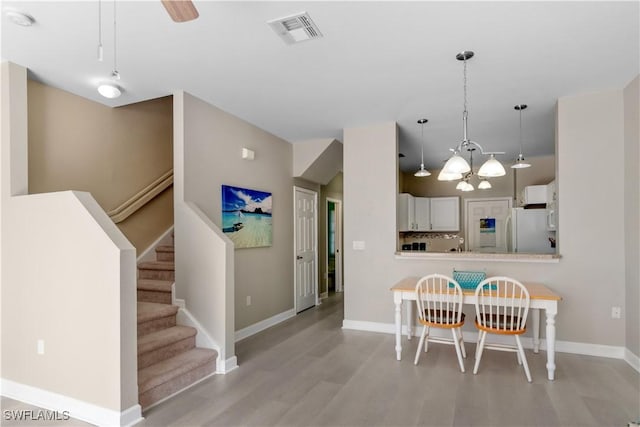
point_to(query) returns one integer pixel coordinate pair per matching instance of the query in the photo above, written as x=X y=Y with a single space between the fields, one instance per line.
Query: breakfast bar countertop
x=478 y=256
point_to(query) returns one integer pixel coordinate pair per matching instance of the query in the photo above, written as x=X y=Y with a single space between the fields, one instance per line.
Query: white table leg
x=397 y=299
x=535 y=313
x=409 y=320
x=551 y=343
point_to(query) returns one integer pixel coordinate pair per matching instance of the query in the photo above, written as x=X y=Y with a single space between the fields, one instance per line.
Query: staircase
x=168 y=359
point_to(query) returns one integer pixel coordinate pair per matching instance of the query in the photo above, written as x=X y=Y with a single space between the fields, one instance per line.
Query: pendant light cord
x=520 y=111
x=422 y=150
x=100 y=31
x=116 y=74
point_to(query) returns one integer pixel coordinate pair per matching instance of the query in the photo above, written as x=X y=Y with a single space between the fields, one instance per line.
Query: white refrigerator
x=526 y=231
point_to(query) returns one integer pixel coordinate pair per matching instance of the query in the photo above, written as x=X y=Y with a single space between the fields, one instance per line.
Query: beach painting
x=246 y=217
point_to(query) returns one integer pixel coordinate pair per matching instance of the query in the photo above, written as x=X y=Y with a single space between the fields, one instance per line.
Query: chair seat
x=442 y=318
x=501 y=324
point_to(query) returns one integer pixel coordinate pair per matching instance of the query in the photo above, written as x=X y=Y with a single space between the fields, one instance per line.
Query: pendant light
x=110 y=89
x=457 y=164
x=520 y=163
x=422 y=172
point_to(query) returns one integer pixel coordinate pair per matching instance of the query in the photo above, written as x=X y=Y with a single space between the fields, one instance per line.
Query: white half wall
x=68 y=283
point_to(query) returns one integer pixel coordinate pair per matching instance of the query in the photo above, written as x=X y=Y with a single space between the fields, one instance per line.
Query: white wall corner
x=74 y=408
x=632 y=359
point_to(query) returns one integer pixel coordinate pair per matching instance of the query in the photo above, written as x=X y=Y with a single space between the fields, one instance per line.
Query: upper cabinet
x=445 y=213
x=405 y=212
x=428 y=214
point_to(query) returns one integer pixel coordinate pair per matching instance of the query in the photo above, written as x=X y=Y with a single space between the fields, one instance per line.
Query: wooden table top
x=536 y=290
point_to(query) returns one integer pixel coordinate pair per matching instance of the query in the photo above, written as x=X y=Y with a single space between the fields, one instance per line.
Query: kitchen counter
x=478 y=256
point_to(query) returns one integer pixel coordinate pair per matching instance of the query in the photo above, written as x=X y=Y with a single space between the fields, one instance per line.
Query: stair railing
x=141 y=198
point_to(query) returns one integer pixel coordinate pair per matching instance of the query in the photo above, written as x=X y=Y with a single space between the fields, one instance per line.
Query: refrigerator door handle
x=508 y=237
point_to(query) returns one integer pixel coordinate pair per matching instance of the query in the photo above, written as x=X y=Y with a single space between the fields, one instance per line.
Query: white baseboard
x=632 y=359
x=324 y=295
x=527 y=342
x=264 y=324
x=75 y=408
x=226 y=366
x=149 y=253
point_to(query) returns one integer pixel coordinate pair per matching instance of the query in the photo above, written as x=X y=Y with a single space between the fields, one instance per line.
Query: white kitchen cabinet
x=405 y=212
x=413 y=213
x=445 y=213
x=422 y=213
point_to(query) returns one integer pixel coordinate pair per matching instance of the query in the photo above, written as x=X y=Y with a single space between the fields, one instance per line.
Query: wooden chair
x=502 y=305
x=439 y=301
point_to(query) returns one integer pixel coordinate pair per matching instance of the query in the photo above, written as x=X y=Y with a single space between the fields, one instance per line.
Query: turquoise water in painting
x=255 y=229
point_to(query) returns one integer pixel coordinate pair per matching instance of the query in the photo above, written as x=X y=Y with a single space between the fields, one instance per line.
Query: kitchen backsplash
x=430 y=242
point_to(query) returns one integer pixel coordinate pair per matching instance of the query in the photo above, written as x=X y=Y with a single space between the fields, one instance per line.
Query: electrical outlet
x=248 y=300
x=40 y=347
x=616 y=312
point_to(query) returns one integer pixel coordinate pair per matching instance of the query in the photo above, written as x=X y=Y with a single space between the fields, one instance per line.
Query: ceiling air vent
x=295 y=28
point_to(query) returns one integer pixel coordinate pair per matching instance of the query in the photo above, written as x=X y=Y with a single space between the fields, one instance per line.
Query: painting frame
x=247 y=216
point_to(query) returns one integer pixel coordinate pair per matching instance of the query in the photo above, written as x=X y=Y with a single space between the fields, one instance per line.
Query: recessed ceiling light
x=20 y=18
x=109 y=90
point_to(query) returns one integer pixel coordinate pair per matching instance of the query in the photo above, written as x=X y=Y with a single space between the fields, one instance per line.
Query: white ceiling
x=377 y=61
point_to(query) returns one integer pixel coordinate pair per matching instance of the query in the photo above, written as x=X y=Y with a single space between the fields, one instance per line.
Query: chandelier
x=456 y=166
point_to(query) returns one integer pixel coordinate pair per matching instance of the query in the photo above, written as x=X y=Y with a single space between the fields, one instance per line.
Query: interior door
x=486 y=224
x=305 y=202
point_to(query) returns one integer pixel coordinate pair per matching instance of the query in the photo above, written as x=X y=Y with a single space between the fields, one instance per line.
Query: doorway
x=306 y=248
x=333 y=245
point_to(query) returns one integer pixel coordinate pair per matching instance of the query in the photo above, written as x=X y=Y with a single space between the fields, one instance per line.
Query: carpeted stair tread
x=154 y=285
x=162 y=372
x=164 y=337
x=148 y=311
x=156 y=265
x=165 y=248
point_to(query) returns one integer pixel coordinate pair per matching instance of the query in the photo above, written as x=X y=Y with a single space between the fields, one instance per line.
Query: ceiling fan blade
x=180 y=10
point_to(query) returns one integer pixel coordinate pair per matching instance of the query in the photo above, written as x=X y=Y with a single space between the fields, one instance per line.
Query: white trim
x=588 y=349
x=632 y=359
x=149 y=253
x=339 y=257
x=264 y=324
x=77 y=409
x=226 y=366
x=324 y=295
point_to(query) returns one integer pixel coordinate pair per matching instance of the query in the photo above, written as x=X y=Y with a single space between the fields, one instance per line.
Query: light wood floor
x=307 y=371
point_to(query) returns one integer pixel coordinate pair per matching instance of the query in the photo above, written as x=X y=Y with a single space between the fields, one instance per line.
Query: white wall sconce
x=248 y=154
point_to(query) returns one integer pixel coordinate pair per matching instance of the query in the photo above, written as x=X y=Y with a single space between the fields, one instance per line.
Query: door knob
x=298 y=257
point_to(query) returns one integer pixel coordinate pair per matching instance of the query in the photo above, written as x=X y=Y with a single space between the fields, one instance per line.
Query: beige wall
x=333 y=190
x=590 y=275
x=632 y=213
x=212 y=157
x=77 y=144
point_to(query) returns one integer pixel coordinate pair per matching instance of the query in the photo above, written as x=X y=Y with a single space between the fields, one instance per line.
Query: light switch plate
x=358 y=245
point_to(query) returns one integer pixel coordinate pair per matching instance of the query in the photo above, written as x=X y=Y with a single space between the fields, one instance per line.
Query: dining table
x=541 y=298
